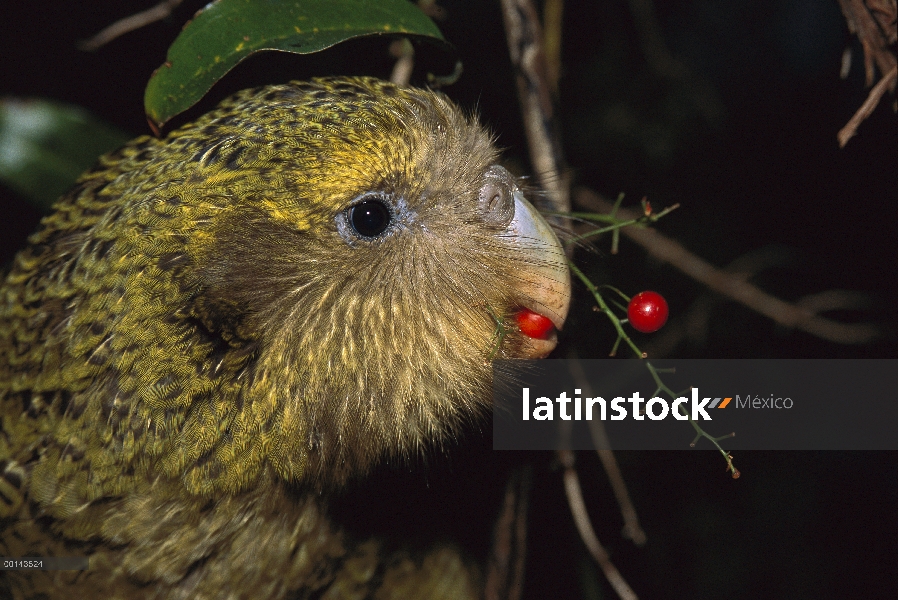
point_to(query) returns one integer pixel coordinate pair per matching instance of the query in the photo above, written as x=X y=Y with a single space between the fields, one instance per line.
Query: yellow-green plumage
x=196 y=344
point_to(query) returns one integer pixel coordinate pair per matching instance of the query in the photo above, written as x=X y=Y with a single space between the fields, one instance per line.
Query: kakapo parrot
x=214 y=330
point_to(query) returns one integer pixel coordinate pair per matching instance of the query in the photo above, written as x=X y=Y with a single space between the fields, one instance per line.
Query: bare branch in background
x=733 y=286
x=128 y=24
x=875 y=22
x=587 y=533
x=524 y=33
x=867 y=108
x=505 y=572
x=404 y=53
x=525 y=46
x=632 y=529
x=553 y=12
x=432 y=9
x=694 y=324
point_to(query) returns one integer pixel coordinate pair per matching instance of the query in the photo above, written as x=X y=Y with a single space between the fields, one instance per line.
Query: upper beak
x=545 y=281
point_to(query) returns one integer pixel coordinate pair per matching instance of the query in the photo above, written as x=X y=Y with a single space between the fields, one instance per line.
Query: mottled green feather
x=191 y=351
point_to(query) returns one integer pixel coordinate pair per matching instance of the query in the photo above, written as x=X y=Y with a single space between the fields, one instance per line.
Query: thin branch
x=504 y=580
x=876 y=24
x=693 y=324
x=835 y=300
x=867 y=108
x=553 y=11
x=128 y=24
x=587 y=533
x=734 y=286
x=632 y=529
x=404 y=53
x=524 y=33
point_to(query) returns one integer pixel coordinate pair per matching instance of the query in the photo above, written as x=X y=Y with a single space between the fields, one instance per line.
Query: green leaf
x=227 y=31
x=45 y=146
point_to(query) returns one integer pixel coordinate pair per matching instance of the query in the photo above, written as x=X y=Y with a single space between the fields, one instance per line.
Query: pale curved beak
x=545 y=280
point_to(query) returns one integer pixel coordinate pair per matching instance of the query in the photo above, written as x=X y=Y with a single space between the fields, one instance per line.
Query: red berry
x=647 y=312
x=534 y=324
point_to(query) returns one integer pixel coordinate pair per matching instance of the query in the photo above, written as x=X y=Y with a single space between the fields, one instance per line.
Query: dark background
x=747 y=145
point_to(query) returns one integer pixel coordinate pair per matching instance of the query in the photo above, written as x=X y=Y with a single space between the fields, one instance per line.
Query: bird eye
x=369 y=218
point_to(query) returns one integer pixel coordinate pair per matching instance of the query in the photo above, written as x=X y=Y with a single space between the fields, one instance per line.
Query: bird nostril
x=497 y=197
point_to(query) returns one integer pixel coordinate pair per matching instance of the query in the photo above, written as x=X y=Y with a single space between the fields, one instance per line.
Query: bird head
x=329 y=268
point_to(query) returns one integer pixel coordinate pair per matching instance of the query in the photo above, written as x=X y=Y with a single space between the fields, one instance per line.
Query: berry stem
x=603 y=307
x=700 y=433
x=662 y=387
x=498 y=335
x=614 y=224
